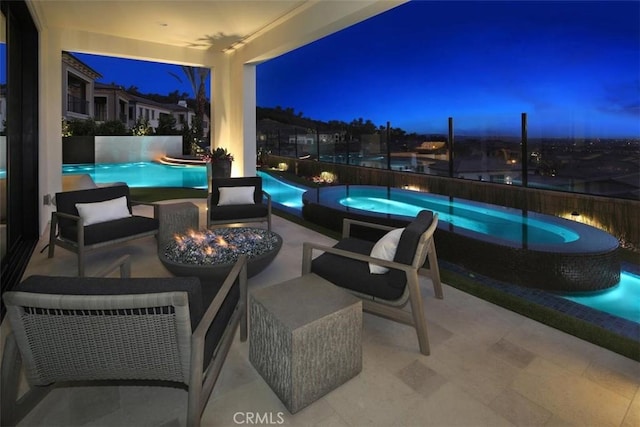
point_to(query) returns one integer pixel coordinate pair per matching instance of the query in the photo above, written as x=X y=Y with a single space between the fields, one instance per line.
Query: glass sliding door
x=3 y=136
x=19 y=216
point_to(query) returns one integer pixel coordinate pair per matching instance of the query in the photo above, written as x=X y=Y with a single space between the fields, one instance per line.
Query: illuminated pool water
x=281 y=192
x=142 y=174
x=623 y=300
x=473 y=217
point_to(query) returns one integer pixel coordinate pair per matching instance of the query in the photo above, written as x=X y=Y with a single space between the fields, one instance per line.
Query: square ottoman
x=305 y=338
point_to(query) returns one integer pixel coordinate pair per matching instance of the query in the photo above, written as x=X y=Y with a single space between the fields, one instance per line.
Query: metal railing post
x=524 y=148
x=450 y=147
x=388 y=145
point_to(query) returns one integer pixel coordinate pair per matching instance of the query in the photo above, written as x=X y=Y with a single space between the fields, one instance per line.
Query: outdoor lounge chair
x=238 y=200
x=106 y=219
x=70 y=329
x=349 y=265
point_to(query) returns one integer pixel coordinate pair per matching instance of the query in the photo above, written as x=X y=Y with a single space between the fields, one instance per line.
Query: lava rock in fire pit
x=211 y=253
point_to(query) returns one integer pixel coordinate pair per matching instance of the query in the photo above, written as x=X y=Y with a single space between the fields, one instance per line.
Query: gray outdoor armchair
x=69 y=329
x=349 y=265
x=238 y=200
x=104 y=222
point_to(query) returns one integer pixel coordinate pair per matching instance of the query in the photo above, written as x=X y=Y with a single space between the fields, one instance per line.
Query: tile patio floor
x=488 y=367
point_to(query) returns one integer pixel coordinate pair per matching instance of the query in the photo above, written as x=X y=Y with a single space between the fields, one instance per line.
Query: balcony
x=77 y=105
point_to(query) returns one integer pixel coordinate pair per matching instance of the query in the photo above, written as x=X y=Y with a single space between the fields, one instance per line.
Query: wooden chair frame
x=393 y=309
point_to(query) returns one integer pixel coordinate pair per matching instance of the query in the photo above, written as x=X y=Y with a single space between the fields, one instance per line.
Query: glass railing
x=521 y=156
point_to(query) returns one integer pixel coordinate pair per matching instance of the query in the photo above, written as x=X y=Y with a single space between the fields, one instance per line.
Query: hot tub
x=521 y=247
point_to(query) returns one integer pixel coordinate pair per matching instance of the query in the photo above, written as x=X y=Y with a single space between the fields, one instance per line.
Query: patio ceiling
x=215 y=25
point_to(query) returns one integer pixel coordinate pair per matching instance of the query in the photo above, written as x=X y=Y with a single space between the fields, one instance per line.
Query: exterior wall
x=122 y=149
x=153 y=115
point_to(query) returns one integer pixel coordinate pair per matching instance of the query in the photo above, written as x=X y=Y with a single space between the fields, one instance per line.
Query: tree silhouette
x=197 y=77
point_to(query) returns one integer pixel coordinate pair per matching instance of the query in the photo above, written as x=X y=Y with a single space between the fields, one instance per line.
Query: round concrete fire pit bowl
x=210 y=254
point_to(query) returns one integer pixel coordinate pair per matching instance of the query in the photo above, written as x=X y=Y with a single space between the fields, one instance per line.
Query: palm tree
x=197 y=77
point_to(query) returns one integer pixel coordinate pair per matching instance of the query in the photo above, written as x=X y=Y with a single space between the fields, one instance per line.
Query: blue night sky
x=573 y=67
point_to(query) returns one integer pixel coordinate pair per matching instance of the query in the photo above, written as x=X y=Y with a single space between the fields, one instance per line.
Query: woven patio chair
x=69 y=329
x=349 y=265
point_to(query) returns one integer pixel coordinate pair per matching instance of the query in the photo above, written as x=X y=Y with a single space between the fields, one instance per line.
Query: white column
x=234 y=112
x=249 y=119
x=49 y=122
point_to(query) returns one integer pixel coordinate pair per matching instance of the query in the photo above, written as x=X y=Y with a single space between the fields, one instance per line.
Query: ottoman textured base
x=305 y=338
x=175 y=218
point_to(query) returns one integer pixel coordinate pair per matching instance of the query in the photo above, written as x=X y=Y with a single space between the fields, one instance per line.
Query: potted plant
x=218 y=163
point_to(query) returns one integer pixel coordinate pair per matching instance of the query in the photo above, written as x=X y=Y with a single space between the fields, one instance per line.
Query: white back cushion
x=93 y=213
x=385 y=248
x=236 y=196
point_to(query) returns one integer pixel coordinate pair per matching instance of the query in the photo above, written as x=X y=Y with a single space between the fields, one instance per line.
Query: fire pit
x=210 y=254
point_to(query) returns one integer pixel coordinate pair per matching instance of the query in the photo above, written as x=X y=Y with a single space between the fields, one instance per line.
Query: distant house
x=87 y=98
x=480 y=167
x=78 y=86
x=111 y=102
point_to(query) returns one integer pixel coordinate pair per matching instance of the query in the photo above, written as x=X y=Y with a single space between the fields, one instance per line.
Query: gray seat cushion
x=111 y=230
x=354 y=275
x=231 y=212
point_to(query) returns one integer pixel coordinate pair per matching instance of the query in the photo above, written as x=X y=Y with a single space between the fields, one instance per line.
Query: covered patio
x=488 y=366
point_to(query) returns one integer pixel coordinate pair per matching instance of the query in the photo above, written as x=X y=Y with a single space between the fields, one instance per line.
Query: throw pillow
x=385 y=248
x=93 y=213
x=236 y=196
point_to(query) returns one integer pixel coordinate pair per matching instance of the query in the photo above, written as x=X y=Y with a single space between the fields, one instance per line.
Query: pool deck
x=489 y=366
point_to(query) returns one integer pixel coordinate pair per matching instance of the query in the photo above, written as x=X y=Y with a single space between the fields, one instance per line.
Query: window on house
x=100 y=108
x=77 y=95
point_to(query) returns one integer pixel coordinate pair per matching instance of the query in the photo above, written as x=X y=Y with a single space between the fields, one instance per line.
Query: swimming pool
x=487 y=220
x=623 y=300
x=142 y=174
x=620 y=300
x=525 y=248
